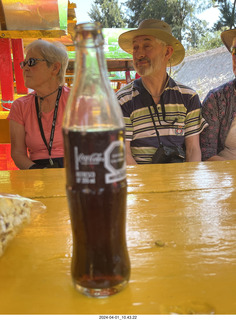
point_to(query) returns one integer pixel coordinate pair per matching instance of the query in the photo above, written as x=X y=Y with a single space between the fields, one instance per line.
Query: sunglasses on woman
x=30 y=62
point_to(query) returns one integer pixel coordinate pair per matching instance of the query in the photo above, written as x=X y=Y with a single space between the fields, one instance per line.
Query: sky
x=84 y=6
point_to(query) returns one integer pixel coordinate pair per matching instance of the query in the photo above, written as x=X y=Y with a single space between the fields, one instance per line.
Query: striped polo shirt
x=182 y=118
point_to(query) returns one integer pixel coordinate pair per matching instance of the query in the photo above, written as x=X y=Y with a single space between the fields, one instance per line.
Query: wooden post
x=6 y=74
x=18 y=56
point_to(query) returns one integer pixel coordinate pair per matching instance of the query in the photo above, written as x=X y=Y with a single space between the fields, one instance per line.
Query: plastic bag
x=15 y=213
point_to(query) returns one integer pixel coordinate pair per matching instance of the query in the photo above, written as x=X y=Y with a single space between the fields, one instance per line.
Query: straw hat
x=157 y=28
x=227 y=38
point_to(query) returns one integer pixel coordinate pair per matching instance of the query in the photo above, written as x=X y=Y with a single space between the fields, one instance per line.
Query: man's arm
x=193 y=150
x=216 y=158
x=129 y=158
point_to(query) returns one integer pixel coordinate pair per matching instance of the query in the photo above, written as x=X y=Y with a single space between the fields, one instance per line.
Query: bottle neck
x=92 y=103
x=91 y=67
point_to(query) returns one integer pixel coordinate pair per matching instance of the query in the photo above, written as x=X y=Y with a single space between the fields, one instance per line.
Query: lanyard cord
x=158 y=136
x=49 y=146
x=157 y=113
x=163 y=110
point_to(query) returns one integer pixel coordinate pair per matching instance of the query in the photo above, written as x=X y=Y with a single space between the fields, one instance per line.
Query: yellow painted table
x=181 y=230
x=4 y=127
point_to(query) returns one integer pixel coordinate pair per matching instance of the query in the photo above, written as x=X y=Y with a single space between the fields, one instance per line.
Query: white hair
x=52 y=52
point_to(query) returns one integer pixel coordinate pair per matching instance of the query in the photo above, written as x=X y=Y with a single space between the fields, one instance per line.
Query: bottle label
x=113 y=160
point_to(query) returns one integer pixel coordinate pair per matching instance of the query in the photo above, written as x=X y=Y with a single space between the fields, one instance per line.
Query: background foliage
x=182 y=15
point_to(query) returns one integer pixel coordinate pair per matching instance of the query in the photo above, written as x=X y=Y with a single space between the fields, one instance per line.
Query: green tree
x=108 y=13
x=210 y=40
x=194 y=33
x=227 y=15
x=134 y=9
x=180 y=14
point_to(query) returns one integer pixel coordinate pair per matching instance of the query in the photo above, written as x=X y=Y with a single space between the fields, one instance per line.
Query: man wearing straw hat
x=218 y=141
x=163 y=118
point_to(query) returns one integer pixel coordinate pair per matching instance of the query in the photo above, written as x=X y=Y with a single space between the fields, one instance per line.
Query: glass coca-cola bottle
x=93 y=131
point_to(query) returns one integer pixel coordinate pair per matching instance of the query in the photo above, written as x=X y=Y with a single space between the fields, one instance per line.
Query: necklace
x=41 y=100
x=162 y=90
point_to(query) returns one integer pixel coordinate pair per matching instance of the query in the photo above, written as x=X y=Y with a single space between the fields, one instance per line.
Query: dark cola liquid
x=100 y=261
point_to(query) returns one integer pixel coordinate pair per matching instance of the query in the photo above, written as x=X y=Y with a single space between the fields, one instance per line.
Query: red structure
x=7 y=48
x=6 y=74
x=18 y=56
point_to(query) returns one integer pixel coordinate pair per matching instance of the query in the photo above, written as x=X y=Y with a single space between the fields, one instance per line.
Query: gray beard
x=144 y=71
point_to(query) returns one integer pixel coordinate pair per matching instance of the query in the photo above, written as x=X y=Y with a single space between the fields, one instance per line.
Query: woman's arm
x=209 y=136
x=18 y=146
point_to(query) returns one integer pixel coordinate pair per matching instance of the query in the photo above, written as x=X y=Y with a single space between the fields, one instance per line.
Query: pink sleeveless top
x=23 y=111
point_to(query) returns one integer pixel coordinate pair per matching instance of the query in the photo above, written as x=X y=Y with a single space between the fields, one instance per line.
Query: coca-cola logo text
x=83 y=159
